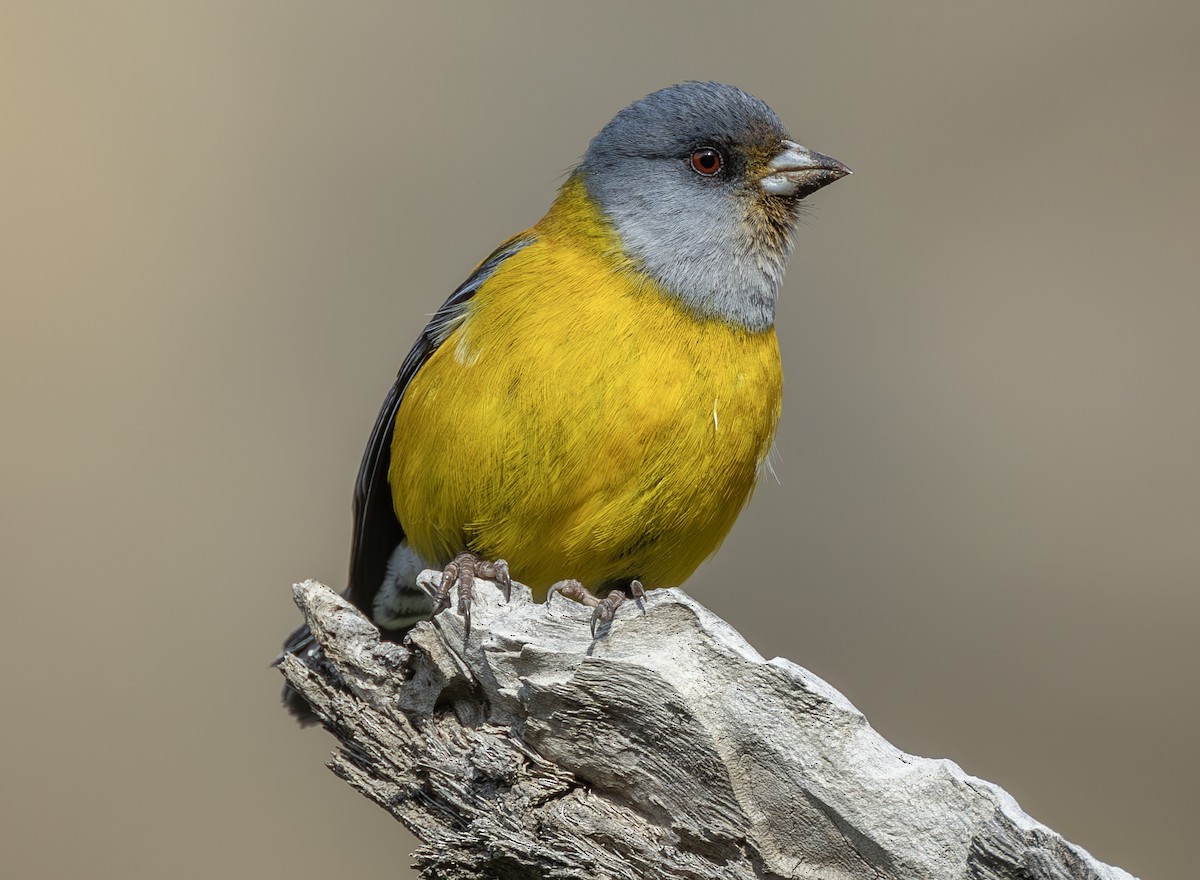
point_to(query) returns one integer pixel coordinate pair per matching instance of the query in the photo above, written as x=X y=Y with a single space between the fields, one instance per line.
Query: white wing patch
x=463 y=352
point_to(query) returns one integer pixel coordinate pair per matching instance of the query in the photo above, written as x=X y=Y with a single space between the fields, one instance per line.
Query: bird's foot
x=604 y=610
x=463 y=571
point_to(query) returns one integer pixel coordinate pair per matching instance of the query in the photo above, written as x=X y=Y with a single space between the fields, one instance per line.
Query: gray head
x=703 y=186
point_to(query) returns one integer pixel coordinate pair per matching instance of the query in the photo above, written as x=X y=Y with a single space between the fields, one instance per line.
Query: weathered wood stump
x=666 y=747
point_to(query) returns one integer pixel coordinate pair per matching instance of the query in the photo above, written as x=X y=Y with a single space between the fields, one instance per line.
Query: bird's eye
x=706 y=161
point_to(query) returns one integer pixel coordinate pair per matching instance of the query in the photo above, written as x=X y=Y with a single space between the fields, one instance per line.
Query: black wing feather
x=376 y=529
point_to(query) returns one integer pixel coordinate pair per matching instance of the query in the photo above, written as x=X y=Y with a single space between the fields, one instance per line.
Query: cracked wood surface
x=667 y=747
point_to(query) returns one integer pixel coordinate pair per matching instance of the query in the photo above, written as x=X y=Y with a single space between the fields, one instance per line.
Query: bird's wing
x=376 y=529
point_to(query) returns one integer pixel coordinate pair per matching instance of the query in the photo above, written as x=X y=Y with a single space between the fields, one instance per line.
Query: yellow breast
x=579 y=422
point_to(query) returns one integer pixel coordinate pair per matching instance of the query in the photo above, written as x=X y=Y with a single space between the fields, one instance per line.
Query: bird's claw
x=462 y=572
x=603 y=610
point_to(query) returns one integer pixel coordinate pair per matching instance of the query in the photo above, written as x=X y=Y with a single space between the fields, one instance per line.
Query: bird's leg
x=603 y=609
x=463 y=571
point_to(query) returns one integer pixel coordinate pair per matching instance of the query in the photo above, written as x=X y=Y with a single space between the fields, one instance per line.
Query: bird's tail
x=395 y=607
x=304 y=647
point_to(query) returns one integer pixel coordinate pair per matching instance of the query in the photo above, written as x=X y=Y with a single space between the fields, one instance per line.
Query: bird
x=589 y=411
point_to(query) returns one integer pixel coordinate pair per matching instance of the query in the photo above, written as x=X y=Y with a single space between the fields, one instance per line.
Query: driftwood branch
x=667 y=747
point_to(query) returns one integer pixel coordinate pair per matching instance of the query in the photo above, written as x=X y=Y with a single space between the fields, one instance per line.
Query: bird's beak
x=799 y=171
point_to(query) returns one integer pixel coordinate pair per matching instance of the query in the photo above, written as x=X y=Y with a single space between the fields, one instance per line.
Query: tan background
x=221 y=225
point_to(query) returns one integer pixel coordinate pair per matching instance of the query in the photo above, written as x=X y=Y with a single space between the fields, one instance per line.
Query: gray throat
x=718 y=268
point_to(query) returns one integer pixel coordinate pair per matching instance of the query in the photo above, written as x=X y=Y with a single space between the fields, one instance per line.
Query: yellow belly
x=580 y=423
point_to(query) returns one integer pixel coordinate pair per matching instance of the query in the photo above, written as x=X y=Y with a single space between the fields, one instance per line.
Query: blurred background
x=223 y=224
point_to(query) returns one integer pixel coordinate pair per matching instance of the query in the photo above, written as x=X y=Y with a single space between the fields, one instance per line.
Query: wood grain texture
x=667 y=747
